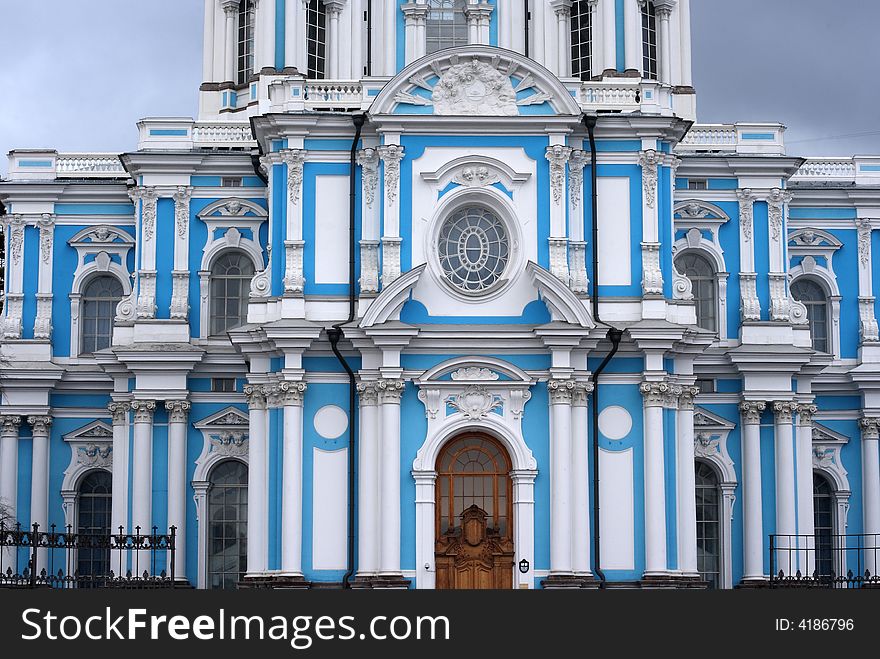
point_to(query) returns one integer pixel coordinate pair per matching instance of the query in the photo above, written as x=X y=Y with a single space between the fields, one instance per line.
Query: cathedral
x=446 y=294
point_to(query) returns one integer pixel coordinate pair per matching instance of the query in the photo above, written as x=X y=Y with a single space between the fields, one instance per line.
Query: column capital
x=143 y=410
x=561 y=391
x=119 y=411
x=581 y=393
x=177 y=410
x=783 y=410
x=230 y=7
x=751 y=411
x=390 y=390
x=686 y=398
x=368 y=392
x=40 y=424
x=9 y=424
x=654 y=393
x=805 y=414
x=562 y=8
x=413 y=10
x=292 y=392
x=334 y=6
x=870 y=426
x=256 y=396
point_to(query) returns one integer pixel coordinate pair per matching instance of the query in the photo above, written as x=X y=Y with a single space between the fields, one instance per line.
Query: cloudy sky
x=77 y=75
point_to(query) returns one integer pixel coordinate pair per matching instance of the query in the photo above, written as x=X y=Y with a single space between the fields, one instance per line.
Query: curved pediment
x=477 y=81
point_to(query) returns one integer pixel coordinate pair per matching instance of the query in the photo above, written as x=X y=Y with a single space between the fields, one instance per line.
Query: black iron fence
x=825 y=561
x=31 y=558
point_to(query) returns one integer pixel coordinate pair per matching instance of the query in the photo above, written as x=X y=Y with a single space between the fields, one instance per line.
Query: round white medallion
x=331 y=421
x=615 y=422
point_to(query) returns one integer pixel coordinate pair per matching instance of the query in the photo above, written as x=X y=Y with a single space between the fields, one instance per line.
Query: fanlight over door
x=474 y=547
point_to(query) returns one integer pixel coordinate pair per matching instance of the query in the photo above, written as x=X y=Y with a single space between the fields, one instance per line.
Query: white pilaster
x=119 y=479
x=180 y=274
x=230 y=14
x=686 y=491
x=292 y=469
x=780 y=299
x=265 y=41
x=869 y=331
x=632 y=27
x=390 y=392
x=178 y=412
x=258 y=472
x=142 y=478
x=368 y=159
x=560 y=475
x=294 y=277
x=580 y=509
x=750 y=305
x=368 y=482
x=334 y=47
x=43 y=318
x=295 y=43
x=753 y=525
x=684 y=11
x=415 y=15
x=664 y=38
x=40 y=477
x=558 y=156
x=389 y=36
x=804 y=461
x=654 y=394
x=208 y=42
x=609 y=36
x=9 y=474
x=391 y=155
x=871 y=487
x=562 y=59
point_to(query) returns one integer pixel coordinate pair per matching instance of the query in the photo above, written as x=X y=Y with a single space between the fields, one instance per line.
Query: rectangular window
x=245 y=65
x=698 y=184
x=446 y=25
x=706 y=386
x=316 y=39
x=231 y=182
x=223 y=385
x=581 y=39
x=649 y=40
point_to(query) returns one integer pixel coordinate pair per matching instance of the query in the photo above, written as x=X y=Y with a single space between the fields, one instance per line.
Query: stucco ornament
x=474 y=88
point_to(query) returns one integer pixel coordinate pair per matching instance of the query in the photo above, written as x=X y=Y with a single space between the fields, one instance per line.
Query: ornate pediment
x=233 y=208
x=827 y=446
x=705 y=420
x=96 y=431
x=101 y=237
x=229 y=418
x=695 y=210
x=813 y=239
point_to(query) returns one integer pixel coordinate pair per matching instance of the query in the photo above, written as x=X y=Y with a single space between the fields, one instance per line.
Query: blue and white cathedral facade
x=447 y=294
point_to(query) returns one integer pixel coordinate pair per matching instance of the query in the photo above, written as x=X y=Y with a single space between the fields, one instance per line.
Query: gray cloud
x=78 y=74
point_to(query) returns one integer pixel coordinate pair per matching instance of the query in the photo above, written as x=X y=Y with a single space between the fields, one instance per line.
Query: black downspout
x=614 y=335
x=335 y=333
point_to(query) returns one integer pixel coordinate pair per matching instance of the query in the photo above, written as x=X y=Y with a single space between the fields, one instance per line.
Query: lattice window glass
x=474 y=249
x=99 y=300
x=581 y=39
x=704 y=279
x=708 y=494
x=316 y=39
x=649 y=40
x=93 y=524
x=445 y=25
x=231 y=277
x=246 y=25
x=813 y=297
x=227 y=524
x=823 y=524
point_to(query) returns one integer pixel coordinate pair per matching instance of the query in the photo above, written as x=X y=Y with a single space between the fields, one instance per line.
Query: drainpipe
x=335 y=333
x=614 y=335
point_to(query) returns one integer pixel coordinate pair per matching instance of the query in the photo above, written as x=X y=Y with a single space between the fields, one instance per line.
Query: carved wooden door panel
x=473 y=556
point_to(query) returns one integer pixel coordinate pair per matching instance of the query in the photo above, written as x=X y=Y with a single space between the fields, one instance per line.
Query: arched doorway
x=474 y=514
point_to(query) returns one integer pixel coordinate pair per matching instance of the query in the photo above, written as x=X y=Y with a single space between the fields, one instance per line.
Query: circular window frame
x=499 y=205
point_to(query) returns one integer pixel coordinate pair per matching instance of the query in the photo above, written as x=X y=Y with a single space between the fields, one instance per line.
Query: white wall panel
x=331 y=230
x=616 y=521
x=615 y=257
x=329 y=510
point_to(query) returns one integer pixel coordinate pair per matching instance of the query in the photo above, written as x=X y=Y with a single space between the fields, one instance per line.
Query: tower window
x=316 y=39
x=230 y=284
x=812 y=296
x=581 y=39
x=649 y=40
x=99 y=301
x=246 y=21
x=446 y=25
x=699 y=270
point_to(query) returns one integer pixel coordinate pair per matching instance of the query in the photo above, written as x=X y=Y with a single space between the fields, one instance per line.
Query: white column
x=609 y=35
x=785 y=502
x=119 y=480
x=177 y=482
x=632 y=27
x=686 y=491
x=414 y=16
x=9 y=476
x=753 y=524
x=804 y=440
x=208 y=42
x=358 y=31
x=40 y=478
x=142 y=478
x=562 y=9
x=390 y=392
x=560 y=475
x=654 y=394
x=505 y=25
x=292 y=484
x=389 y=36
x=334 y=9
x=230 y=12
x=517 y=30
x=580 y=545
x=684 y=10
x=258 y=494
x=871 y=489
x=368 y=482
x=265 y=41
x=665 y=45
x=295 y=41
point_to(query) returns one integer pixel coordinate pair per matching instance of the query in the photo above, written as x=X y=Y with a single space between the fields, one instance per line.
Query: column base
x=387 y=582
x=753 y=583
x=672 y=582
x=274 y=582
x=569 y=582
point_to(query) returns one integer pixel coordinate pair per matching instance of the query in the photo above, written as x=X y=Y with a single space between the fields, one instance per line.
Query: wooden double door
x=474 y=536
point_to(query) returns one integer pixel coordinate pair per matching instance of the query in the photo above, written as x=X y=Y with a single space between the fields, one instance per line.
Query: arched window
x=813 y=297
x=823 y=524
x=446 y=25
x=93 y=524
x=99 y=300
x=316 y=39
x=231 y=276
x=581 y=39
x=227 y=524
x=649 y=40
x=700 y=271
x=246 y=23
x=708 y=524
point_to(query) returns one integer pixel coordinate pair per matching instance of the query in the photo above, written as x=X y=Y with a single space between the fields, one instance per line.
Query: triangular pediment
x=704 y=419
x=824 y=435
x=96 y=431
x=230 y=417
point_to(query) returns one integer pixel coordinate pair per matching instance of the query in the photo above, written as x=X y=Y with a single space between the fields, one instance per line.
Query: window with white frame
x=94 y=501
x=581 y=39
x=708 y=498
x=446 y=25
x=231 y=276
x=813 y=296
x=99 y=299
x=823 y=524
x=649 y=40
x=316 y=39
x=246 y=25
x=227 y=524
x=704 y=280
x=474 y=249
